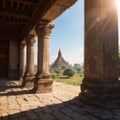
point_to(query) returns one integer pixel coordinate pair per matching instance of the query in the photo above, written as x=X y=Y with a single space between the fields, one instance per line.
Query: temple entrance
x=4 y=45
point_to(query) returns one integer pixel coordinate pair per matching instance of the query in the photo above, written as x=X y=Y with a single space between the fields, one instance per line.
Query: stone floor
x=62 y=104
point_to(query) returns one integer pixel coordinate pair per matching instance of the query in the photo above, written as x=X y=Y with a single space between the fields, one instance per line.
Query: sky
x=68 y=35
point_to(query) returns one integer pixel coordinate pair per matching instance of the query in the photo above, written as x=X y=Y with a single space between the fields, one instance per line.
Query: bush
x=57 y=71
x=68 y=72
x=54 y=76
x=81 y=75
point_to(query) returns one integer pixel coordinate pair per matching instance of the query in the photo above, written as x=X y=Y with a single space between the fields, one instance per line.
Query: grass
x=75 y=80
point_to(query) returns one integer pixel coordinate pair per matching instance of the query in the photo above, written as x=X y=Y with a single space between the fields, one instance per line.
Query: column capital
x=44 y=27
x=23 y=42
x=22 y=45
x=30 y=39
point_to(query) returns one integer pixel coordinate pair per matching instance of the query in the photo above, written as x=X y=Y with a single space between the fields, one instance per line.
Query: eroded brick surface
x=61 y=104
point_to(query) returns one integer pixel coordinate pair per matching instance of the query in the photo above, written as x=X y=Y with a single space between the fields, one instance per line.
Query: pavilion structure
x=22 y=20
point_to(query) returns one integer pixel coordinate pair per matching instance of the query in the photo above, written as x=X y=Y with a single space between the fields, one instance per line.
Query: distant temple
x=60 y=62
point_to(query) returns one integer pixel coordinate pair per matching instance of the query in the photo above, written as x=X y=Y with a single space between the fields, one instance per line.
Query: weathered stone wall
x=13 y=59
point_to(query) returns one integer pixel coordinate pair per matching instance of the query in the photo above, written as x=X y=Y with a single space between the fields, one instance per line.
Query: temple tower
x=60 y=61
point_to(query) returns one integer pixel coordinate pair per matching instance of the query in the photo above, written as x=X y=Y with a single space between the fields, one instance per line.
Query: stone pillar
x=14 y=70
x=43 y=81
x=100 y=85
x=22 y=60
x=29 y=73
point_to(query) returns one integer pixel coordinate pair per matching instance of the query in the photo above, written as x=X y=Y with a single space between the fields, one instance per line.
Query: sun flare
x=118 y=5
x=118 y=9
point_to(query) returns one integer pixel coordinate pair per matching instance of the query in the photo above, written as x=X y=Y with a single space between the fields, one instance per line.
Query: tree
x=57 y=71
x=79 y=70
x=77 y=65
x=68 y=72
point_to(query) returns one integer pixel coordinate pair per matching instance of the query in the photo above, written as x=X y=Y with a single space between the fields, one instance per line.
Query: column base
x=20 y=80
x=104 y=93
x=43 y=84
x=28 y=81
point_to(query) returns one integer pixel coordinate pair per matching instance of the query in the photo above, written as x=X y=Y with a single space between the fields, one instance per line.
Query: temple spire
x=59 y=62
x=59 y=53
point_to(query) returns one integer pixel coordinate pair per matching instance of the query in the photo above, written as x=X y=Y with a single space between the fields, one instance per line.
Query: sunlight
x=118 y=10
x=118 y=5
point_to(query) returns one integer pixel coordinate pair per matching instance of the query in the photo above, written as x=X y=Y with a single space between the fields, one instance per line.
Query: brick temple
x=60 y=61
x=22 y=20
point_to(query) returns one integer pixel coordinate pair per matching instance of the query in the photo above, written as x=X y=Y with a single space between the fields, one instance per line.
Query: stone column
x=43 y=81
x=22 y=60
x=100 y=85
x=29 y=73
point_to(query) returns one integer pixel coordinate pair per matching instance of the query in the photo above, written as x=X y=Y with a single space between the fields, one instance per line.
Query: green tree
x=79 y=70
x=57 y=71
x=77 y=65
x=68 y=72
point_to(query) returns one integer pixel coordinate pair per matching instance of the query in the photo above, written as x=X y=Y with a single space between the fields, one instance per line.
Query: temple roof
x=60 y=61
x=59 y=53
x=19 y=17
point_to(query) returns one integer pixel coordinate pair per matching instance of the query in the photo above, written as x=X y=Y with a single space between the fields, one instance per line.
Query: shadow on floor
x=10 y=88
x=6 y=84
x=12 y=93
x=69 y=110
